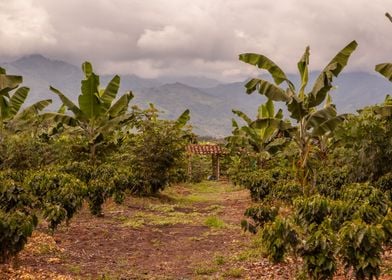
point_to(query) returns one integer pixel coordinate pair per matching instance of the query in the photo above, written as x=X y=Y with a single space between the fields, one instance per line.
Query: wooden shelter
x=206 y=149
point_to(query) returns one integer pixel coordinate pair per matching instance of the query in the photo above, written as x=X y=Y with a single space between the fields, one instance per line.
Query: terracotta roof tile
x=207 y=149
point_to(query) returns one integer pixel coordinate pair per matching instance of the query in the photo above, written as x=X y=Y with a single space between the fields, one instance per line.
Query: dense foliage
x=325 y=195
x=51 y=163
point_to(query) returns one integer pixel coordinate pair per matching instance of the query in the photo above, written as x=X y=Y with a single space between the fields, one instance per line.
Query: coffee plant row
x=53 y=162
x=321 y=182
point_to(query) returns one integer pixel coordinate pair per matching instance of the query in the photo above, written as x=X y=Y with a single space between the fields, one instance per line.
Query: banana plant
x=11 y=102
x=260 y=134
x=98 y=114
x=385 y=69
x=304 y=107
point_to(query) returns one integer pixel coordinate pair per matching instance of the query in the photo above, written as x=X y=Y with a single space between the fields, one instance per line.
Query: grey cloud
x=201 y=37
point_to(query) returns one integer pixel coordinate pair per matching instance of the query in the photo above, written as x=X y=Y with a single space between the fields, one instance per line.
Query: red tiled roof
x=204 y=149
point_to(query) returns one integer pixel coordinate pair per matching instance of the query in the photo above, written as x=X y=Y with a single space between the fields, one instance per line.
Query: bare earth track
x=188 y=232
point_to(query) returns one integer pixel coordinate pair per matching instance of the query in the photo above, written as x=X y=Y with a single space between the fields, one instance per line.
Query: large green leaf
x=328 y=126
x=67 y=102
x=87 y=69
x=89 y=101
x=303 y=71
x=60 y=118
x=234 y=124
x=17 y=100
x=183 y=118
x=112 y=124
x=9 y=82
x=323 y=82
x=266 y=110
x=110 y=92
x=266 y=88
x=318 y=117
x=265 y=63
x=35 y=108
x=4 y=107
x=276 y=145
x=242 y=115
x=296 y=108
x=121 y=105
x=385 y=69
x=266 y=123
x=253 y=138
x=279 y=114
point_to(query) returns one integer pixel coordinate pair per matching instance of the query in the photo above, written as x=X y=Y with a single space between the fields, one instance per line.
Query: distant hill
x=209 y=100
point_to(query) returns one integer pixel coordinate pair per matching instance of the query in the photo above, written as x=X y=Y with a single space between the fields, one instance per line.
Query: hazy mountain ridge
x=209 y=101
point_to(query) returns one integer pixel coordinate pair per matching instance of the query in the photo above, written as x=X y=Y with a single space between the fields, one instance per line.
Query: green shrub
x=157 y=151
x=384 y=183
x=318 y=252
x=15 y=228
x=102 y=181
x=312 y=210
x=330 y=181
x=286 y=190
x=259 y=215
x=23 y=152
x=59 y=195
x=361 y=248
x=13 y=196
x=277 y=239
x=259 y=183
x=365 y=193
x=201 y=168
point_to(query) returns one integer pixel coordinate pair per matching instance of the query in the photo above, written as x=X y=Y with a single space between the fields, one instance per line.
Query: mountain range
x=210 y=101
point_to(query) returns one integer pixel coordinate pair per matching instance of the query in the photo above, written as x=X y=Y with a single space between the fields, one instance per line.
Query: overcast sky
x=151 y=38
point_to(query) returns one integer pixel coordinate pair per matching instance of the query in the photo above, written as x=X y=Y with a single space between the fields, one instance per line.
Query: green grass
x=206 y=191
x=219 y=260
x=214 y=222
x=140 y=219
x=205 y=269
x=234 y=272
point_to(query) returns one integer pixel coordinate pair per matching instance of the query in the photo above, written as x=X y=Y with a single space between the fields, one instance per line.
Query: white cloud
x=200 y=37
x=24 y=28
x=166 y=40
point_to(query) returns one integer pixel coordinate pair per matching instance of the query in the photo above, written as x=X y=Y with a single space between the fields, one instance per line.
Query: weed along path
x=187 y=232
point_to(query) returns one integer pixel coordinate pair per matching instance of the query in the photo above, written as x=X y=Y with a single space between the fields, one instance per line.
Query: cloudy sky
x=152 y=38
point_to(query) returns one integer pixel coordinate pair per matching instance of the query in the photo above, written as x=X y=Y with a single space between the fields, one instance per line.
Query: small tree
x=261 y=134
x=11 y=115
x=97 y=115
x=303 y=107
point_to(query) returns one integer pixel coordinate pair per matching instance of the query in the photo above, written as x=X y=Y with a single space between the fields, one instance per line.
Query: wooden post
x=189 y=167
x=217 y=167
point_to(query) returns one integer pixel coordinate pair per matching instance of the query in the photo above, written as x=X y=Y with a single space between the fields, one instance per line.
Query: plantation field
x=188 y=232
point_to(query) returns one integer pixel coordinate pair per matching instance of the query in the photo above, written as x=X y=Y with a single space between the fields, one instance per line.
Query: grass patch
x=234 y=272
x=74 y=268
x=205 y=270
x=253 y=251
x=214 y=222
x=205 y=191
x=169 y=218
x=134 y=223
x=219 y=260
